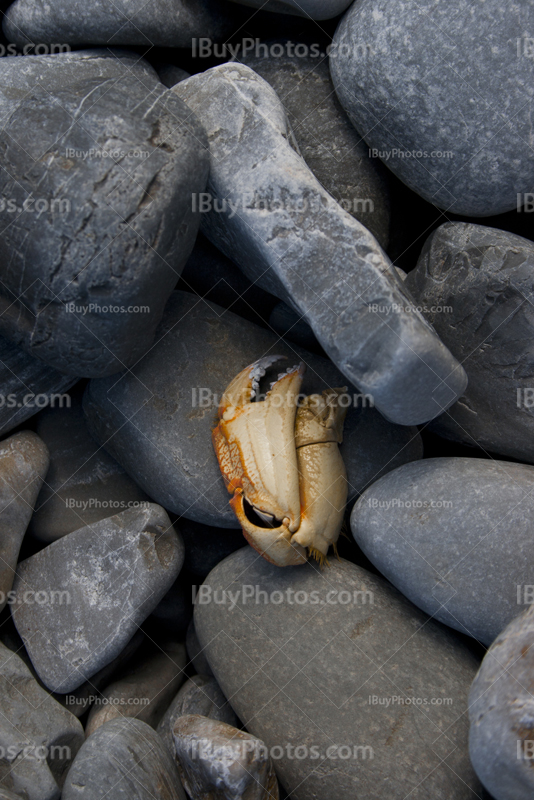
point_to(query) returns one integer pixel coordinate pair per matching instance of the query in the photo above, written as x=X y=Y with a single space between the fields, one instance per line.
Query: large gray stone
x=501 y=713
x=152 y=421
x=38 y=737
x=275 y=220
x=453 y=535
x=476 y=285
x=302 y=663
x=79 y=601
x=88 y=265
x=444 y=92
x=125 y=760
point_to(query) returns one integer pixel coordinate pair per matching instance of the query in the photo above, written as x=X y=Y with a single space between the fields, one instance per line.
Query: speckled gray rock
x=453 y=535
x=38 y=737
x=327 y=141
x=313 y=663
x=124 y=759
x=206 y=545
x=477 y=287
x=107 y=578
x=26 y=382
x=152 y=419
x=202 y=695
x=501 y=713
x=219 y=762
x=88 y=266
x=145 y=691
x=196 y=653
x=408 y=74
x=314 y=9
x=284 y=230
x=23 y=466
x=131 y=22
x=83 y=483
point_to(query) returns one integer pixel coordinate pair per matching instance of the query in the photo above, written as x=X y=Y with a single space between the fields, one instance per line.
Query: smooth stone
x=126 y=756
x=146 y=690
x=126 y=226
x=310 y=667
x=114 y=572
x=25 y=382
x=484 y=278
x=23 y=465
x=218 y=761
x=435 y=78
x=170 y=75
x=311 y=9
x=326 y=139
x=501 y=713
x=83 y=483
x=206 y=545
x=453 y=535
x=150 y=419
x=195 y=652
x=277 y=222
x=124 y=22
x=199 y=695
x=38 y=737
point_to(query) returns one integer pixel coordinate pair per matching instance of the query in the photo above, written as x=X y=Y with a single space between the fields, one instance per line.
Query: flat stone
x=85 y=278
x=83 y=483
x=326 y=139
x=216 y=760
x=304 y=668
x=145 y=691
x=314 y=9
x=444 y=93
x=107 y=578
x=130 y=22
x=277 y=222
x=501 y=713
x=128 y=757
x=477 y=287
x=156 y=419
x=453 y=535
x=23 y=466
x=38 y=737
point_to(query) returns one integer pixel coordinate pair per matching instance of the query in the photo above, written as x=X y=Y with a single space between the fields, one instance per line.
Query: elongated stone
x=96 y=586
x=286 y=232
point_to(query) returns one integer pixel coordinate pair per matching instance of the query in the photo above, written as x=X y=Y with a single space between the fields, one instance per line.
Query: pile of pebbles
x=185 y=188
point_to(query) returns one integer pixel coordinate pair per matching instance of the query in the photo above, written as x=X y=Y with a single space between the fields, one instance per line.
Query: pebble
x=216 y=760
x=109 y=576
x=127 y=757
x=316 y=661
x=83 y=483
x=145 y=691
x=119 y=227
x=444 y=93
x=199 y=695
x=477 y=285
x=23 y=465
x=38 y=737
x=453 y=534
x=310 y=253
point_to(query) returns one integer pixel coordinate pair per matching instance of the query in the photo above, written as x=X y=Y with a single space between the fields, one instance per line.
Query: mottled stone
x=277 y=222
x=38 y=737
x=453 y=535
x=195 y=652
x=83 y=483
x=312 y=9
x=88 y=266
x=206 y=545
x=326 y=139
x=303 y=667
x=156 y=419
x=124 y=759
x=23 y=466
x=445 y=93
x=98 y=583
x=501 y=713
x=199 y=695
x=476 y=285
x=145 y=691
x=219 y=762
